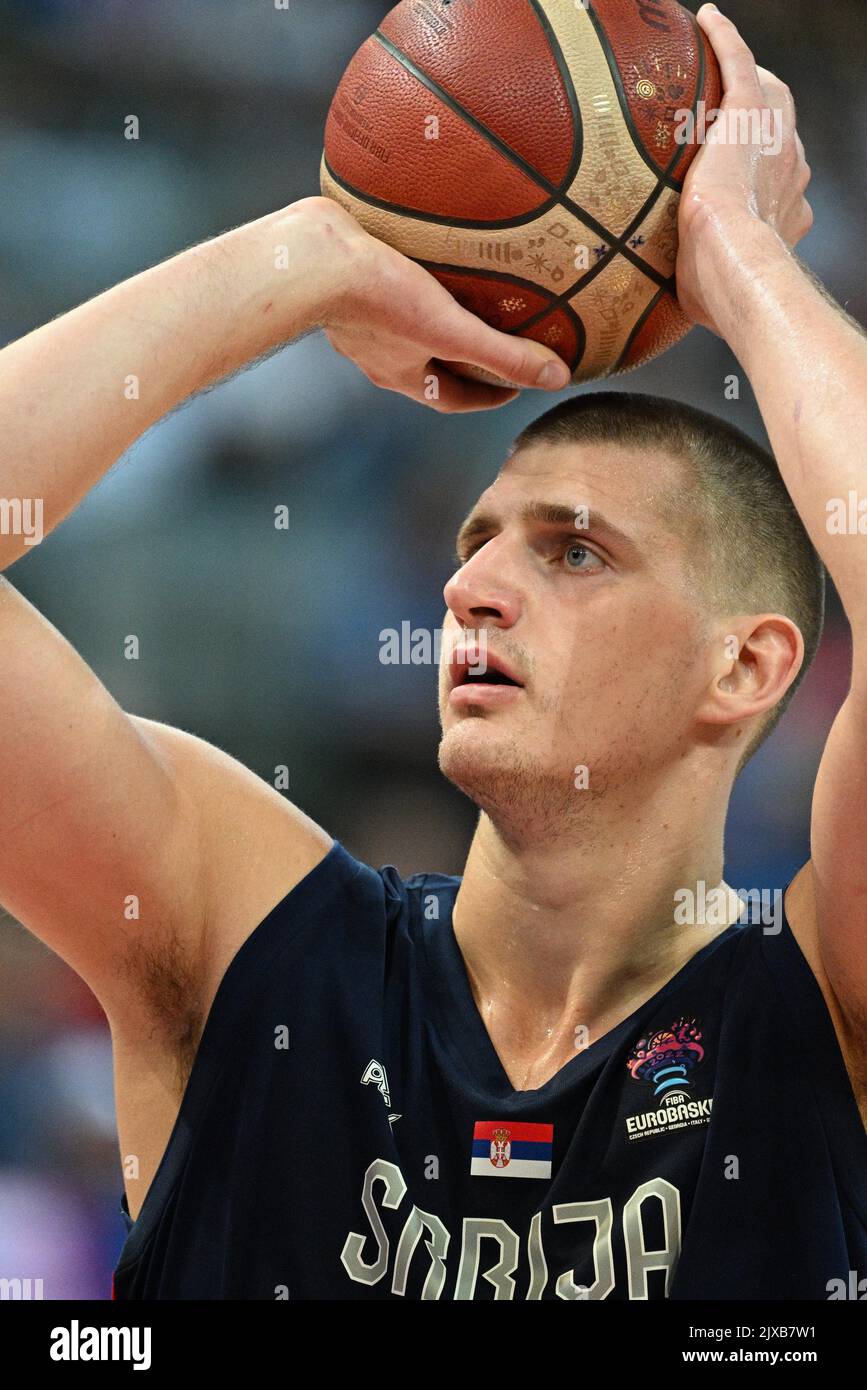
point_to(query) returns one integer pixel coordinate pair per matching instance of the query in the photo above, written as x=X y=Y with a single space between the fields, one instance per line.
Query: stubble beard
x=528 y=796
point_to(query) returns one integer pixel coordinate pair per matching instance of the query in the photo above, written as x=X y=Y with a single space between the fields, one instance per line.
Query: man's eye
x=576 y=554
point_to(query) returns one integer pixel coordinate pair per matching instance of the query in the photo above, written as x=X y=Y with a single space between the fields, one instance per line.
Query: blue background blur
x=266 y=642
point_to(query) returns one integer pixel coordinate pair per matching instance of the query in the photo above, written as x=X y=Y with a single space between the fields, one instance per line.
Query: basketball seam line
x=503 y=224
x=569 y=88
x=664 y=176
x=565 y=296
x=666 y=182
x=468 y=223
x=653 y=197
x=567 y=203
x=556 y=301
x=637 y=327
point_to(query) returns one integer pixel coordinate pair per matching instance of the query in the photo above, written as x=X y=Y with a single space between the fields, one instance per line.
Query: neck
x=559 y=936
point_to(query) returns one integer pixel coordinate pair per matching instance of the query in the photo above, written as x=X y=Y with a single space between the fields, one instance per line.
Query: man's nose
x=479 y=593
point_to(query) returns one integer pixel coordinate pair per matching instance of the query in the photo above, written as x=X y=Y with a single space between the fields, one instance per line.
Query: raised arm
x=742 y=213
x=139 y=853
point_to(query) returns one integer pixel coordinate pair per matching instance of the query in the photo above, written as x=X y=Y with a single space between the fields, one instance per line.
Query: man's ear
x=759 y=657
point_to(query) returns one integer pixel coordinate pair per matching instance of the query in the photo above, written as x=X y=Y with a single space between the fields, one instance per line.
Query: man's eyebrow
x=550 y=514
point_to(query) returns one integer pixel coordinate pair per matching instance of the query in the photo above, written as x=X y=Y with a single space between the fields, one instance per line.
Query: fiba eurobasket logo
x=663 y=1061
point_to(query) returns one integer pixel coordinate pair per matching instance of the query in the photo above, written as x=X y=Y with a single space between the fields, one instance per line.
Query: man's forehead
x=634 y=487
x=593 y=463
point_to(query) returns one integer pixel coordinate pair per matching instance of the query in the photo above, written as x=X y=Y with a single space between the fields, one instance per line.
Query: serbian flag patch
x=509 y=1149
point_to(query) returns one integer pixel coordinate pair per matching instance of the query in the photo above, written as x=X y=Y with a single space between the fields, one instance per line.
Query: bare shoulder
x=801 y=914
x=254 y=848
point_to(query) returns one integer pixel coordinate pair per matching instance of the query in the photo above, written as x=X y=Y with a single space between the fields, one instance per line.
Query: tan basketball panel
x=542 y=250
x=609 y=308
x=613 y=181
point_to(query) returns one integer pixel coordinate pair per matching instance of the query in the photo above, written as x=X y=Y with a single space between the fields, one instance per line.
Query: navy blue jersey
x=348 y=1131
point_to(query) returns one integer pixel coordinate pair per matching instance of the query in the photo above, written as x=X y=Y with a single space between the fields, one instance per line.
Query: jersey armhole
x=235 y=997
x=821 y=1062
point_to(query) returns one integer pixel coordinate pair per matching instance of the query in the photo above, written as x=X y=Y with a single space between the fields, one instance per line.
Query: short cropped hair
x=750 y=551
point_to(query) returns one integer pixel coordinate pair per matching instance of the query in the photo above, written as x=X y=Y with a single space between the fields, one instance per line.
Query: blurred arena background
x=266 y=642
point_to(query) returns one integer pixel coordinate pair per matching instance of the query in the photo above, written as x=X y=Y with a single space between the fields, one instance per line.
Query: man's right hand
x=404 y=330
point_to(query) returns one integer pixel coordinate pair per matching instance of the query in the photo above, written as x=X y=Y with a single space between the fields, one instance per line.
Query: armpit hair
x=169 y=988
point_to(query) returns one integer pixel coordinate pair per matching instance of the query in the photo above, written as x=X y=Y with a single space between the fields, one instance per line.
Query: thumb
x=500 y=358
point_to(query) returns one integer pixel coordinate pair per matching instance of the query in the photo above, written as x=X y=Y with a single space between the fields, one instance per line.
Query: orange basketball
x=530 y=154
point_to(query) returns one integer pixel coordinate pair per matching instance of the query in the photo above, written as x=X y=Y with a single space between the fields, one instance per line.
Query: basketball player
x=560 y=1076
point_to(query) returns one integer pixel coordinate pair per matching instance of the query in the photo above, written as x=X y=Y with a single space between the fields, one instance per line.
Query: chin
x=473 y=743
x=492 y=768
x=526 y=798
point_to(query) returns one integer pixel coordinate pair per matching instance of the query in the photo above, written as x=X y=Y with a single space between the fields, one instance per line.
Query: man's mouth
x=491 y=676
x=475 y=668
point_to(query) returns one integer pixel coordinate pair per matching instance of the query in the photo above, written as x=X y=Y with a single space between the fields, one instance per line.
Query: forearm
x=807 y=363
x=76 y=393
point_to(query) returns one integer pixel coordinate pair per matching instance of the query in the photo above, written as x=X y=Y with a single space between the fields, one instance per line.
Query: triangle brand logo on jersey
x=508 y=1149
x=374 y=1075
